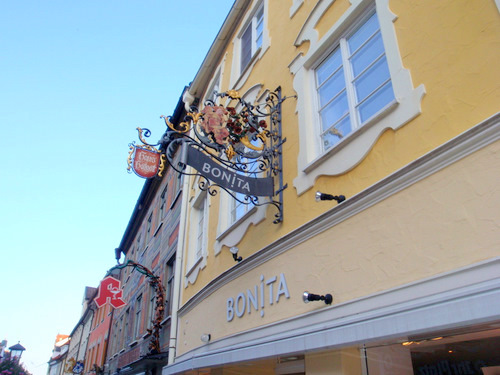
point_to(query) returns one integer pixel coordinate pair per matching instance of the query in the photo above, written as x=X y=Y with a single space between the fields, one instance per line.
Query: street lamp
x=16 y=351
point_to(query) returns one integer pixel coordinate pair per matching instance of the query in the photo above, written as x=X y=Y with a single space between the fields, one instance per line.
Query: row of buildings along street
x=324 y=200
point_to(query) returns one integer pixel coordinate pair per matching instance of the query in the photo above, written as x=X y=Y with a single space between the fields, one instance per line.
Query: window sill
x=194 y=266
x=176 y=199
x=234 y=233
x=237 y=223
x=158 y=229
x=246 y=71
x=166 y=320
x=133 y=343
x=351 y=137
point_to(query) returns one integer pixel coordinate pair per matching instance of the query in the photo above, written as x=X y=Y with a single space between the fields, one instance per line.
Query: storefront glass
x=476 y=353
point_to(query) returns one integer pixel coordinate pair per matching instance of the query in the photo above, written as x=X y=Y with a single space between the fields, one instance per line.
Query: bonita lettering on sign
x=256 y=298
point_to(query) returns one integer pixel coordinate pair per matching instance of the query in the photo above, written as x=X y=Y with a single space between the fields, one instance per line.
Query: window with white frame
x=200 y=228
x=197 y=229
x=149 y=227
x=240 y=206
x=169 y=289
x=361 y=86
x=163 y=205
x=151 y=307
x=353 y=83
x=251 y=39
x=214 y=88
x=138 y=316
x=125 y=338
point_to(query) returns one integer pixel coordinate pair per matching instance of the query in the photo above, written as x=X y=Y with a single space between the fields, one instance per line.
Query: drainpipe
x=172 y=346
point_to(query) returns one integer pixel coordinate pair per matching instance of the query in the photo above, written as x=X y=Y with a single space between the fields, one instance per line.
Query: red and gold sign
x=145 y=160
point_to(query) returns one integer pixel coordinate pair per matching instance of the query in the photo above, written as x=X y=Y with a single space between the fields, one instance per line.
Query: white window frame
x=138 y=316
x=197 y=245
x=239 y=74
x=312 y=162
x=162 y=210
x=149 y=227
x=169 y=287
x=214 y=87
x=255 y=37
x=345 y=73
x=151 y=308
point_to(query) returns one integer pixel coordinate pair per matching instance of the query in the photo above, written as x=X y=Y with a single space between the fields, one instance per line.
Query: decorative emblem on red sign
x=110 y=291
x=145 y=163
x=145 y=160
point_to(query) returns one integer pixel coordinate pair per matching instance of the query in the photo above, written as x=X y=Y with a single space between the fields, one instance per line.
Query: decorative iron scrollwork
x=244 y=142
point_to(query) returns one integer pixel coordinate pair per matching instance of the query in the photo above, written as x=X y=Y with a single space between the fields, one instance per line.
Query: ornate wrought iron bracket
x=236 y=147
x=155 y=282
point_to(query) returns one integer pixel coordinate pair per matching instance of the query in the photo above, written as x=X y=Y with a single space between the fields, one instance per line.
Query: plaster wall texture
x=449 y=47
x=446 y=221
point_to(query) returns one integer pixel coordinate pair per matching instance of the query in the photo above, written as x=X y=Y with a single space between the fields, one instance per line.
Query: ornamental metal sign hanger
x=236 y=147
x=145 y=160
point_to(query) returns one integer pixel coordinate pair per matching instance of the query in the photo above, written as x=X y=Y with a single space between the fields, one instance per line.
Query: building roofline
x=218 y=47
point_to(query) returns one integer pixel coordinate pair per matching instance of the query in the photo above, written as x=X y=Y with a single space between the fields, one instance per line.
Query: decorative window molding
x=345 y=155
x=259 y=43
x=235 y=232
x=197 y=247
x=295 y=7
x=214 y=87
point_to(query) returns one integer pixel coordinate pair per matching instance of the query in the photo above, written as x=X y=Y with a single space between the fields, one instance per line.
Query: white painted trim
x=237 y=77
x=466 y=296
x=233 y=235
x=296 y=6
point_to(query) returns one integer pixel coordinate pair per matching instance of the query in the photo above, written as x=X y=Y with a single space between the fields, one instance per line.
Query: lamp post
x=16 y=351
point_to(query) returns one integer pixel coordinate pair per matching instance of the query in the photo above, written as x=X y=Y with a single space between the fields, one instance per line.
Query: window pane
x=330 y=65
x=335 y=134
x=376 y=102
x=363 y=33
x=372 y=79
x=246 y=47
x=332 y=87
x=334 y=111
x=258 y=32
x=367 y=54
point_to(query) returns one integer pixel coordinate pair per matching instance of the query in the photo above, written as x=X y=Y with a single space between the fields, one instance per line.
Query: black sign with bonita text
x=261 y=187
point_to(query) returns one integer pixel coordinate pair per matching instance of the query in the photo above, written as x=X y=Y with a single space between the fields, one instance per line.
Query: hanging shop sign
x=145 y=160
x=145 y=163
x=227 y=178
x=235 y=146
x=110 y=291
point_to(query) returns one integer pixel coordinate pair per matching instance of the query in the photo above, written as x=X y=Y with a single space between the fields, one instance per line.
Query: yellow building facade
x=394 y=105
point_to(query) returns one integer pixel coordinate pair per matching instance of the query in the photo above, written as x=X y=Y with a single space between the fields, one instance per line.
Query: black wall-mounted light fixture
x=308 y=297
x=328 y=197
x=234 y=250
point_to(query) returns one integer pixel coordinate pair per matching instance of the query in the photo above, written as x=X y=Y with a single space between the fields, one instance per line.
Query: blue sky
x=76 y=79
